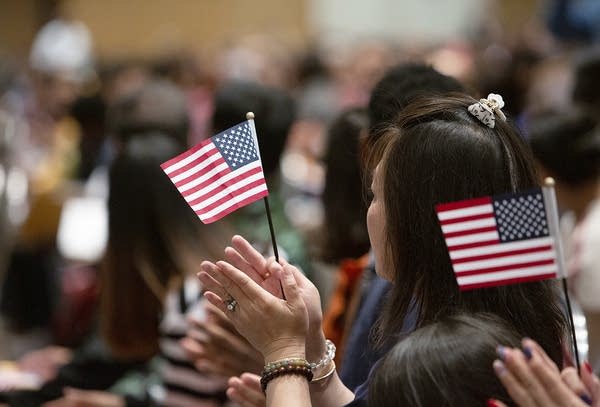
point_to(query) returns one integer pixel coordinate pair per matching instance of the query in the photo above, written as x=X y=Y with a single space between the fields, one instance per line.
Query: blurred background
x=67 y=66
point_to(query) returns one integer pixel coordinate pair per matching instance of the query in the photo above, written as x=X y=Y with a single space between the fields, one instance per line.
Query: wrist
x=316 y=347
x=285 y=350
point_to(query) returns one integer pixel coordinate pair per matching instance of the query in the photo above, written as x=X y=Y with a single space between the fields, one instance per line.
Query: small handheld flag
x=221 y=174
x=506 y=239
x=500 y=240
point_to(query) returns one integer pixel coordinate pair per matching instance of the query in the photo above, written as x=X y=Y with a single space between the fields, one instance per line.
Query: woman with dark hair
x=154 y=242
x=447 y=363
x=147 y=289
x=436 y=151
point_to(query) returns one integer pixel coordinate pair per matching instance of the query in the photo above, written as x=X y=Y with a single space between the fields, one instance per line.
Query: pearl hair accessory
x=487 y=109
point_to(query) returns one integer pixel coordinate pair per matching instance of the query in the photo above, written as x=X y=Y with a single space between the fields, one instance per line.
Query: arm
x=330 y=391
x=277 y=328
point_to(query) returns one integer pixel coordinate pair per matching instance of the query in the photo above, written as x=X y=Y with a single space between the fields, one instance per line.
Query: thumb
x=290 y=287
x=495 y=403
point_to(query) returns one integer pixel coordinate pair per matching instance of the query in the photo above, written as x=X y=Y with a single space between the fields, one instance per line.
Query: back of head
x=403 y=84
x=586 y=89
x=157 y=106
x=154 y=239
x=437 y=152
x=274 y=111
x=345 y=228
x=447 y=363
x=567 y=146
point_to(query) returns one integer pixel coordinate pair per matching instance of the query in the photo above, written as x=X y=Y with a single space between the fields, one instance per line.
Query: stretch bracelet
x=327 y=358
x=283 y=367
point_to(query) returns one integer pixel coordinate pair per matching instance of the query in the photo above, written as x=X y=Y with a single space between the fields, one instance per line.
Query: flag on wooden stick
x=221 y=174
x=501 y=240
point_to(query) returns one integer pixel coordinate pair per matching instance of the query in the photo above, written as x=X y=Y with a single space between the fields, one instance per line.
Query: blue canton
x=520 y=216
x=236 y=145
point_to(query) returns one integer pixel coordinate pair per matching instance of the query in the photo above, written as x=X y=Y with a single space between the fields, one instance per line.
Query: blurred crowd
x=98 y=252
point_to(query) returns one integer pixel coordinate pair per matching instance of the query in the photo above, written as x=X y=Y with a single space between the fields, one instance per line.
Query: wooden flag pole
x=551 y=207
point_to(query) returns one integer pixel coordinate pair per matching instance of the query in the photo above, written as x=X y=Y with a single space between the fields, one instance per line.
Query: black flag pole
x=551 y=207
x=273 y=241
x=250 y=118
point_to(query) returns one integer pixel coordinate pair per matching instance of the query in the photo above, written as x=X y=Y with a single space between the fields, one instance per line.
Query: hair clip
x=486 y=109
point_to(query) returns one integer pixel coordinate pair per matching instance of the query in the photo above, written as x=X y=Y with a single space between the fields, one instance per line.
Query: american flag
x=221 y=174
x=499 y=240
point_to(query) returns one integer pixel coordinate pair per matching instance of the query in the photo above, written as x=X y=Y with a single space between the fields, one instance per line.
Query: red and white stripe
x=209 y=186
x=480 y=259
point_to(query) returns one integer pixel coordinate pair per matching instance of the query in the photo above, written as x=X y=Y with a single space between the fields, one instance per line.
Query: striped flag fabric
x=221 y=174
x=499 y=240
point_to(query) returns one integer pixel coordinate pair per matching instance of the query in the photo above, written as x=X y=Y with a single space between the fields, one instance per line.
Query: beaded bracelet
x=328 y=357
x=295 y=366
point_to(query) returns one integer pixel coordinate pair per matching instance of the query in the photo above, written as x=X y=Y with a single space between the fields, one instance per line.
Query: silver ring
x=231 y=304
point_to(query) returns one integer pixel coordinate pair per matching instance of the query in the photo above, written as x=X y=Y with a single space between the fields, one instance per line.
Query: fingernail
x=586 y=399
x=527 y=352
x=501 y=351
x=588 y=367
x=492 y=403
x=499 y=367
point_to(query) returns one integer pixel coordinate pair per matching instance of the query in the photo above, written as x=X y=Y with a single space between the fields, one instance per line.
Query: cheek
x=376 y=225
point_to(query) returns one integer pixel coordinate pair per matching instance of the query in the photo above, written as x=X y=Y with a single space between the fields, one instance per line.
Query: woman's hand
x=533 y=380
x=275 y=327
x=215 y=347
x=266 y=272
x=246 y=391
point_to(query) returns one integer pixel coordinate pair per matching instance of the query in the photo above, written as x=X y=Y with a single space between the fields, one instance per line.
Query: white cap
x=63 y=47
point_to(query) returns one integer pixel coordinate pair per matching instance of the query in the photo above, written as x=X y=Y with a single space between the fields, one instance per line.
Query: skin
x=537 y=381
x=277 y=328
x=376 y=222
x=255 y=284
x=215 y=347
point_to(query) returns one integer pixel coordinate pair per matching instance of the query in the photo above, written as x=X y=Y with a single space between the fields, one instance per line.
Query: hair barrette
x=486 y=109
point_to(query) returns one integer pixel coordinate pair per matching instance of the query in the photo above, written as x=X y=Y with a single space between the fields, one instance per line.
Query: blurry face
x=376 y=224
x=55 y=93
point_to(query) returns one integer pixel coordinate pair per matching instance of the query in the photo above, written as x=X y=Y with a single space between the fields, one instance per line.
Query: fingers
x=249 y=253
x=209 y=278
x=572 y=380
x=238 y=284
x=290 y=287
x=533 y=346
x=215 y=300
x=246 y=391
x=591 y=382
x=531 y=381
x=550 y=378
x=236 y=259
x=515 y=390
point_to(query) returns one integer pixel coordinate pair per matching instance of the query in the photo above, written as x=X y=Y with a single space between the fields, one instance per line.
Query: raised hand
x=533 y=380
x=275 y=327
x=266 y=272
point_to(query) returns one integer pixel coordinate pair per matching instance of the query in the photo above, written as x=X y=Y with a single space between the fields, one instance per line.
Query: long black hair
x=154 y=240
x=437 y=152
